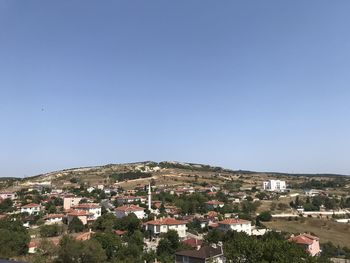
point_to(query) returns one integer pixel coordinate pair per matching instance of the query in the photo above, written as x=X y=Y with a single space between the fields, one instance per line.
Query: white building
x=235 y=224
x=311 y=192
x=31 y=209
x=123 y=211
x=275 y=185
x=163 y=225
x=53 y=218
x=130 y=199
x=7 y=195
x=91 y=208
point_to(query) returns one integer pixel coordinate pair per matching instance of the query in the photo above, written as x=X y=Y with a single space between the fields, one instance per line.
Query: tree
x=76 y=225
x=6 y=206
x=214 y=236
x=14 y=238
x=73 y=251
x=273 y=247
x=168 y=243
x=106 y=223
x=50 y=230
x=265 y=216
x=110 y=242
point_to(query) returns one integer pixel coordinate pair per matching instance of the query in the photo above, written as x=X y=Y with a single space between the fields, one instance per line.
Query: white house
x=235 y=224
x=31 y=209
x=311 y=192
x=91 y=208
x=163 y=225
x=123 y=211
x=53 y=218
x=275 y=185
x=90 y=189
x=130 y=199
x=7 y=195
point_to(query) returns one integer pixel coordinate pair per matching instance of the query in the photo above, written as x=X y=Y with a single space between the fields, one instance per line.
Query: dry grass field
x=327 y=230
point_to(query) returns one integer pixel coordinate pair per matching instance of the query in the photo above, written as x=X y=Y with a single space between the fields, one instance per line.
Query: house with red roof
x=83 y=216
x=310 y=243
x=125 y=210
x=193 y=242
x=90 y=208
x=163 y=225
x=235 y=224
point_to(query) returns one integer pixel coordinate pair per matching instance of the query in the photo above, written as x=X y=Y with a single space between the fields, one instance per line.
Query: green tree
x=6 y=206
x=14 y=238
x=51 y=230
x=265 y=216
x=73 y=251
x=75 y=225
x=106 y=223
x=110 y=242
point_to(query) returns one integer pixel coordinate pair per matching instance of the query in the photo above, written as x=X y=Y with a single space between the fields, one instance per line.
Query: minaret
x=149 y=196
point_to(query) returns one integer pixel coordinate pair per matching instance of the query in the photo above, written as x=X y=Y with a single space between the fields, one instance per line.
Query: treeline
x=322 y=184
x=191 y=166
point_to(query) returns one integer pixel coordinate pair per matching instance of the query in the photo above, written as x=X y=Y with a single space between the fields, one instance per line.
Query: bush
x=265 y=216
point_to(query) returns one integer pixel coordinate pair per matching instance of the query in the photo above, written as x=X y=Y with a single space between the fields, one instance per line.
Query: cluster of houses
x=126 y=203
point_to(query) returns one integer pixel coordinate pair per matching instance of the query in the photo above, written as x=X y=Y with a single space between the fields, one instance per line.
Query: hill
x=130 y=175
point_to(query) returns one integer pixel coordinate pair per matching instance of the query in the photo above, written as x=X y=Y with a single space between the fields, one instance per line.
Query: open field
x=327 y=230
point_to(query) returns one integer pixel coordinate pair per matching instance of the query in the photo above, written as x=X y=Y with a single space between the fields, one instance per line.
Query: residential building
x=70 y=201
x=163 y=225
x=123 y=211
x=31 y=209
x=311 y=192
x=236 y=224
x=53 y=218
x=84 y=216
x=310 y=243
x=193 y=242
x=203 y=255
x=275 y=185
x=7 y=195
x=91 y=208
x=122 y=200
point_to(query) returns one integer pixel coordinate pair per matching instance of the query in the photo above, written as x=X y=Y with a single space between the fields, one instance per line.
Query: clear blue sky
x=259 y=85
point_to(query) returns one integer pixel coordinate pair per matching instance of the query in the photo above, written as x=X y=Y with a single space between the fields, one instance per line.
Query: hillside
x=130 y=175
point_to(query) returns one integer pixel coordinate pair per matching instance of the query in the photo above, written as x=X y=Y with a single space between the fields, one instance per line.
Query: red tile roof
x=79 y=213
x=166 y=221
x=120 y=232
x=129 y=208
x=86 y=206
x=31 y=205
x=304 y=239
x=53 y=216
x=193 y=242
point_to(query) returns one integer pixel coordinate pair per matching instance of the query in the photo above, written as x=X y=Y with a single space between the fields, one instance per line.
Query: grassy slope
x=327 y=230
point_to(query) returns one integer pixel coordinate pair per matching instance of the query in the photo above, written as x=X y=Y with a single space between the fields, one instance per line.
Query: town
x=174 y=212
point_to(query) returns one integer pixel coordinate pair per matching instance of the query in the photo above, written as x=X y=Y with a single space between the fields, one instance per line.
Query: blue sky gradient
x=259 y=85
